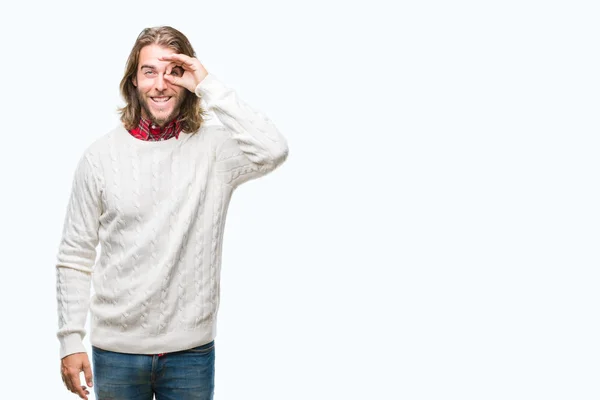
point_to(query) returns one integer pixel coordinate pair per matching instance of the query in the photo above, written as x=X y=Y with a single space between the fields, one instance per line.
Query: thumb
x=87 y=371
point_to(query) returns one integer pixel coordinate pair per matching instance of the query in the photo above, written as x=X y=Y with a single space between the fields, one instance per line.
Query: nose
x=160 y=83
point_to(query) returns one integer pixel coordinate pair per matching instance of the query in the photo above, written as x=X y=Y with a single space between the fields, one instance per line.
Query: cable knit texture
x=158 y=210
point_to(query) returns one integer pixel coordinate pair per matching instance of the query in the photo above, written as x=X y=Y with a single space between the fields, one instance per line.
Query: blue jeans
x=182 y=375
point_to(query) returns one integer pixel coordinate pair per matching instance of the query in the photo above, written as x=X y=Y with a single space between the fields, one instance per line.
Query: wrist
x=200 y=77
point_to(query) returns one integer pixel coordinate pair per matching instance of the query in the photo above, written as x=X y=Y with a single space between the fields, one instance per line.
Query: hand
x=71 y=366
x=193 y=71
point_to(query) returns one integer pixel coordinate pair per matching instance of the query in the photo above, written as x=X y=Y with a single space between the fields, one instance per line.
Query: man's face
x=160 y=99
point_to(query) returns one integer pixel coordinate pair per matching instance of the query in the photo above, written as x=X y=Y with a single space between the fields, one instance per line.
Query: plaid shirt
x=150 y=132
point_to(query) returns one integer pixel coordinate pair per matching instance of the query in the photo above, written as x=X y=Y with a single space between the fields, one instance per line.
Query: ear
x=134 y=81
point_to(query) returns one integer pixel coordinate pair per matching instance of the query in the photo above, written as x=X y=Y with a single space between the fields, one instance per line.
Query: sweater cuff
x=209 y=88
x=71 y=344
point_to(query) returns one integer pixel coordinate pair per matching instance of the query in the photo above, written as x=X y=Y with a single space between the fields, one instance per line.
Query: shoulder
x=100 y=147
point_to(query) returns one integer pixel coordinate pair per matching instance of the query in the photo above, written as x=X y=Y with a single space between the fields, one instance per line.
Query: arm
x=75 y=259
x=251 y=145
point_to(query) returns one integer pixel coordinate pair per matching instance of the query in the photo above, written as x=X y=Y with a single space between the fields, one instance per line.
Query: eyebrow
x=147 y=66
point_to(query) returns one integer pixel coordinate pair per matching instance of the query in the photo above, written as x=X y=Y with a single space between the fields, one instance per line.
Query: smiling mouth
x=160 y=100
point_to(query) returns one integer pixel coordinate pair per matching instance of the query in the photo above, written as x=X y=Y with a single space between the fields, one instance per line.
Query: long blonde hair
x=191 y=113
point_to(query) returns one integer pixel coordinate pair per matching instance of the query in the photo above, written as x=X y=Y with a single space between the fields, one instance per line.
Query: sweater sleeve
x=76 y=257
x=252 y=146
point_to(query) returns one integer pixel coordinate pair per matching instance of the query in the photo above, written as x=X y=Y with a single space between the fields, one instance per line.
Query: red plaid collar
x=147 y=131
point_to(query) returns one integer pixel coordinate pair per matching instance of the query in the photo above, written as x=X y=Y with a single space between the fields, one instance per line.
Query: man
x=154 y=193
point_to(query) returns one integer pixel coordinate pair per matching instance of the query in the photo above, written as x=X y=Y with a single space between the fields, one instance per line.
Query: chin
x=162 y=118
x=159 y=117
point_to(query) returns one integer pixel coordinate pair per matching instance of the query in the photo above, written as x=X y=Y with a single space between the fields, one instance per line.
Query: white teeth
x=160 y=99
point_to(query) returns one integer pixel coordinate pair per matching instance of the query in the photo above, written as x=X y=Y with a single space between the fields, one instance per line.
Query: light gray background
x=433 y=235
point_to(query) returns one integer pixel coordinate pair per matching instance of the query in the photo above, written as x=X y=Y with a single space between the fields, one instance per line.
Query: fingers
x=76 y=386
x=71 y=368
x=81 y=391
x=87 y=371
x=173 y=79
x=71 y=381
x=65 y=374
x=85 y=394
x=180 y=59
x=66 y=382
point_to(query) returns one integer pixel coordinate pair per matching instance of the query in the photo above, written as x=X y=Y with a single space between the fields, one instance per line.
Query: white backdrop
x=433 y=234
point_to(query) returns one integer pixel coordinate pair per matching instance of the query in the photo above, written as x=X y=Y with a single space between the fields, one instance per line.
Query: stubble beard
x=156 y=120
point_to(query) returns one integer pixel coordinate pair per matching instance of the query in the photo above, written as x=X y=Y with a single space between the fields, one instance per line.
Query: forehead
x=149 y=55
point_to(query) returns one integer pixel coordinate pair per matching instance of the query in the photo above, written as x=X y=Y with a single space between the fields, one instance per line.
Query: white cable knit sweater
x=158 y=211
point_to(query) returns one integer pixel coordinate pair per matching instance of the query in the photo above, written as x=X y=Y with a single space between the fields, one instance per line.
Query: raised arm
x=251 y=145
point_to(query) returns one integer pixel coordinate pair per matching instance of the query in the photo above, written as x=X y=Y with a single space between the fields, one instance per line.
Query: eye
x=148 y=72
x=177 y=71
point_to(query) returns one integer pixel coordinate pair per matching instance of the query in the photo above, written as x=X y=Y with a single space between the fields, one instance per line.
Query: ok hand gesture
x=191 y=71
